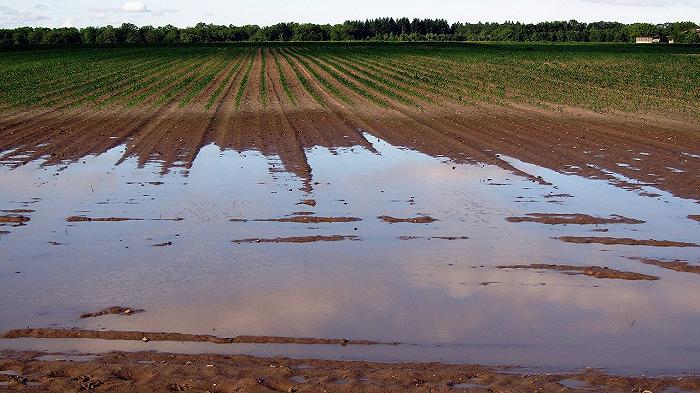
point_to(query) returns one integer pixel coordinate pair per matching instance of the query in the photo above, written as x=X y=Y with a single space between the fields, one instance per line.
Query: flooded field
x=371 y=241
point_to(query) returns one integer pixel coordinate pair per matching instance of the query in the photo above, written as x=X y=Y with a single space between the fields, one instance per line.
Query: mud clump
x=433 y=237
x=298 y=239
x=114 y=310
x=305 y=219
x=591 y=271
x=115 y=219
x=676 y=265
x=18 y=220
x=308 y=202
x=414 y=220
x=166 y=244
x=166 y=336
x=574 y=218
x=18 y=211
x=625 y=241
x=694 y=217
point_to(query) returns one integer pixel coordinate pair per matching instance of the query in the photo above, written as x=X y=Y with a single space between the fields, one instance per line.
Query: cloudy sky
x=78 y=13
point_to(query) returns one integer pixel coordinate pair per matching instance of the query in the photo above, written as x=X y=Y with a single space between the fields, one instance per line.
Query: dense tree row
x=382 y=29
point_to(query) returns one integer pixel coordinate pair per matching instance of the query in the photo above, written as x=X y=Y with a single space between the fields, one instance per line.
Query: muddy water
x=395 y=282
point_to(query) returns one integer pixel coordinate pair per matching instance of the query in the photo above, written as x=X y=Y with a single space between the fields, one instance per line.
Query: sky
x=78 y=13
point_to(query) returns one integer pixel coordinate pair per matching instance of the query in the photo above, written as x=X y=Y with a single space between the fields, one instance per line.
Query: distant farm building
x=657 y=39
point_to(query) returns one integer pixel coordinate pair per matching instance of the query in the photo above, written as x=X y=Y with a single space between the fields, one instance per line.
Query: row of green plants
x=419 y=76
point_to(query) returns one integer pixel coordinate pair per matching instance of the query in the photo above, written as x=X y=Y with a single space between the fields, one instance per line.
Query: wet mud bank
x=149 y=371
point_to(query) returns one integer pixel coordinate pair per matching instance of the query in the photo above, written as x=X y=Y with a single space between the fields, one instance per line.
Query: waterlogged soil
x=575 y=219
x=180 y=337
x=592 y=271
x=625 y=241
x=142 y=208
x=146 y=371
x=298 y=239
x=679 y=266
x=114 y=310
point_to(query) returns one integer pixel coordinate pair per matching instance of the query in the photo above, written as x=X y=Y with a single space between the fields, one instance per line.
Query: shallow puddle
x=371 y=285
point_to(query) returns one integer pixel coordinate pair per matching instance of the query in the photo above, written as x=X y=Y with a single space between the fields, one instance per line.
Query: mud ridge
x=114 y=310
x=413 y=220
x=167 y=336
x=625 y=241
x=573 y=218
x=591 y=271
x=298 y=239
x=115 y=219
x=676 y=265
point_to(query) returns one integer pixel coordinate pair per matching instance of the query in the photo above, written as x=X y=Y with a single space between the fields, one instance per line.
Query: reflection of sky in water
x=383 y=288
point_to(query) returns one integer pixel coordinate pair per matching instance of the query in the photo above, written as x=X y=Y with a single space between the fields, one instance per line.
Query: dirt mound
x=573 y=218
x=625 y=241
x=677 y=265
x=414 y=220
x=114 y=310
x=305 y=219
x=592 y=271
x=298 y=239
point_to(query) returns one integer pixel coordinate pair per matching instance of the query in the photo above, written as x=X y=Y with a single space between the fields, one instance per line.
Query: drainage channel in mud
x=241 y=260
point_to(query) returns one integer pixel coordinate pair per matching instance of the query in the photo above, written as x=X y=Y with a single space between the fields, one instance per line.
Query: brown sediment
x=433 y=237
x=413 y=220
x=311 y=220
x=298 y=239
x=168 y=336
x=114 y=310
x=4 y=232
x=592 y=271
x=14 y=219
x=625 y=241
x=573 y=218
x=126 y=372
x=163 y=244
x=115 y=219
x=694 y=217
x=676 y=265
x=308 y=202
x=548 y=196
x=303 y=213
x=18 y=211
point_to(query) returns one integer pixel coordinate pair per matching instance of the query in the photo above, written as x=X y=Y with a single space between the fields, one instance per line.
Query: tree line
x=380 y=29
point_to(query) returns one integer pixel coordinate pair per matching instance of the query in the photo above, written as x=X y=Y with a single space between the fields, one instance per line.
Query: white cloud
x=134 y=6
x=17 y=17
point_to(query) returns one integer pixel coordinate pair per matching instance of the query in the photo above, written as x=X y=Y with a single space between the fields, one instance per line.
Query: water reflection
x=380 y=288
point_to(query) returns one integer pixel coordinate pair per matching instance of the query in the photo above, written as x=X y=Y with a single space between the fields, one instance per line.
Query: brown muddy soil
x=164 y=336
x=574 y=218
x=298 y=239
x=591 y=271
x=162 y=372
x=694 y=217
x=115 y=219
x=114 y=310
x=568 y=141
x=18 y=211
x=413 y=220
x=625 y=241
x=14 y=219
x=677 y=265
x=311 y=220
x=433 y=237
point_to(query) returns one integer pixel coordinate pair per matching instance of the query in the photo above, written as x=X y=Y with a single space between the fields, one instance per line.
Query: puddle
x=472 y=384
x=298 y=379
x=576 y=384
x=66 y=358
x=368 y=287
